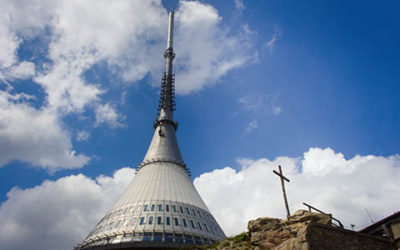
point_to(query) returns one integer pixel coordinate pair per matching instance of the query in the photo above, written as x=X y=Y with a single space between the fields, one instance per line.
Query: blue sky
x=255 y=79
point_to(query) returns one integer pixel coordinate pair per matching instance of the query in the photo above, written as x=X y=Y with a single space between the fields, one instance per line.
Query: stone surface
x=270 y=233
x=304 y=230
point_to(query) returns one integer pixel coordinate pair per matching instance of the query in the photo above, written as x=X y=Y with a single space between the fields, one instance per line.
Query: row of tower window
x=159 y=208
x=174 y=209
x=155 y=237
x=142 y=221
x=159 y=221
x=152 y=207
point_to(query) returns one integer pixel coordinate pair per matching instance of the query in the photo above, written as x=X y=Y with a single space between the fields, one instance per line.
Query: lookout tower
x=160 y=208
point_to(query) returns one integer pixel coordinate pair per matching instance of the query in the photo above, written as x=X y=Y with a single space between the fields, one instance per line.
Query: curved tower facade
x=161 y=208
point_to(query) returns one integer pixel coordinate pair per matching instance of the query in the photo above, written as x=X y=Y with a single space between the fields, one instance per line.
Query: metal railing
x=340 y=225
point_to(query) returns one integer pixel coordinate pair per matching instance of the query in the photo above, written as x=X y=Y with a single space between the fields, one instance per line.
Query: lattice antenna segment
x=167 y=93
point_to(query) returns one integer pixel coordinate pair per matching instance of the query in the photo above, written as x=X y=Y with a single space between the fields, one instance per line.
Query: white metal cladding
x=165 y=216
x=164 y=145
x=161 y=199
x=161 y=181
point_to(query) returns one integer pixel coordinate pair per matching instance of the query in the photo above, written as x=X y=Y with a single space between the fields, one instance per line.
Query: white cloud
x=10 y=68
x=88 y=32
x=58 y=214
x=34 y=136
x=260 y=104
x=107 y=114
x=250 y=127
x=276 y=110
x=239 y=5
x=322 y=178
x=206 y=51
x=83 y=135
x=270 y=44
x=253 y=101
x=126 y=36
x=91 y=32
x=20 y=70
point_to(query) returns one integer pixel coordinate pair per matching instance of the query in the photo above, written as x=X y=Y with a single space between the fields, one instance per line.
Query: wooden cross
x=283 y=178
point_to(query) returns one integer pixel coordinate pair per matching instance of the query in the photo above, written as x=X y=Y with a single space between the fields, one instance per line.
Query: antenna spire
x=170 y=30
x=167 y=95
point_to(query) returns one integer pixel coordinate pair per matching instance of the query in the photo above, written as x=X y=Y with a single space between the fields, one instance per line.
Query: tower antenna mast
x=166 y=105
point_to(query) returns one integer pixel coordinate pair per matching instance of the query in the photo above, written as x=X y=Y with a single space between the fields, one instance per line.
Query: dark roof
x=381 y=222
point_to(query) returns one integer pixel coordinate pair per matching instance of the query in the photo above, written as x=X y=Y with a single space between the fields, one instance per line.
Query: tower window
x=153 y=206
x=189 y=239
x=141 y=221
x=194 y=213
x=125 y=222
x=146 y=208
x=167 y=221
x=174 y=208
x=206 y=227
x=159 y=220
x=150 y=222
x=187 y=211
x=184 y=222
x=176 y=221
x=147 y=236
x=167 y=208
x=198 y=223
x=116 y=225
x=180 y=208
x=160 y=207
x=192 y=224
x=133 y=221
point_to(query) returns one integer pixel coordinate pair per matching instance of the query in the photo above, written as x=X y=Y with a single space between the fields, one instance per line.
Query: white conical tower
x=161 y=208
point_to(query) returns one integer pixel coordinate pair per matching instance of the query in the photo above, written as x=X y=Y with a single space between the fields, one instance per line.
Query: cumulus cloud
x=34 y=136
x=107 y=114
x=10 y=66
x=322 y=178
x=206 y=50
x=58 y=214
x=84 y=33
x=128 y=37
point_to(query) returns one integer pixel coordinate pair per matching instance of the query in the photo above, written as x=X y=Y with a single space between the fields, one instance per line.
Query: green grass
x=237 y=240
x=243 y=237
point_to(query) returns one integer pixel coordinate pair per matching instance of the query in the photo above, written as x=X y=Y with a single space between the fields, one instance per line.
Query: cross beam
x=283 y=179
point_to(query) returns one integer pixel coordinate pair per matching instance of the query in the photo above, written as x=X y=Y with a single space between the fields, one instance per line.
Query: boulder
x=304 y=230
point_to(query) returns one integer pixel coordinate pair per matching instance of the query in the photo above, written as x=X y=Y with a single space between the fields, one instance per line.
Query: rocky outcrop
x=270 y=233
x=302 y=231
